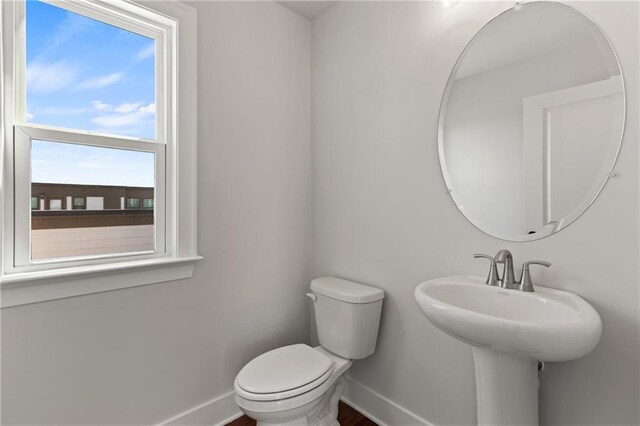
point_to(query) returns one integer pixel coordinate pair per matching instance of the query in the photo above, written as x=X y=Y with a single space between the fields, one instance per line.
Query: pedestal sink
x=509 y=332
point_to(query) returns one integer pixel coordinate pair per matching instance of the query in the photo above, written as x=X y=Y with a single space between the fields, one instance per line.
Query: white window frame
x=173 y=26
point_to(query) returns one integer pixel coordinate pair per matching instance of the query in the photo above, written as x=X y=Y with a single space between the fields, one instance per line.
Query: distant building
x=59 y=196
x=57 y=205
x=84 y=220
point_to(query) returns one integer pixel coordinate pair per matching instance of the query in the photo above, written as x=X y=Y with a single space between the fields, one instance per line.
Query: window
x=133 y=203
x=93 y=132
x=95 y=203
x=82 y=75
x=55 y=203
x=79 y=203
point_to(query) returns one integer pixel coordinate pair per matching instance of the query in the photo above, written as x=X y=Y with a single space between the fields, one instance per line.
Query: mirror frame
x=608 y=172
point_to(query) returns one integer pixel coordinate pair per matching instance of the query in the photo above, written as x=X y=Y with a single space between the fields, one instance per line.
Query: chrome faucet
x=493 y=278
x=508 y=279
x=525 y=278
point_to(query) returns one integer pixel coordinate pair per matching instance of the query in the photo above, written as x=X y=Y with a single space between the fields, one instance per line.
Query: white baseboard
x=378 y=408
x=216 y=412
x=223 y=409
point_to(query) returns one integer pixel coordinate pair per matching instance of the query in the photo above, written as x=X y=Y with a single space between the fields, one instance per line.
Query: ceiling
x=307 y=9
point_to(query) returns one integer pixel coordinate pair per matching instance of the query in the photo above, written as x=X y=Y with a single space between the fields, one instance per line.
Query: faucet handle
x=525 y=278
x=492 y=278
x=536 y=262
x=482 y=255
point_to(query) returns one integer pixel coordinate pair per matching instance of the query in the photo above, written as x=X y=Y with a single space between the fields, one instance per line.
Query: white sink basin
x=547 y=325
x=509 y=332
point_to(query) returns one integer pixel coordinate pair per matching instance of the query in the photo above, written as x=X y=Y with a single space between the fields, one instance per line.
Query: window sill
x=32 y=287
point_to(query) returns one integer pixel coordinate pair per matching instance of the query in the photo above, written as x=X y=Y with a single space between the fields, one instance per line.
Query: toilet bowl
x=300 y=385
x=291 y=395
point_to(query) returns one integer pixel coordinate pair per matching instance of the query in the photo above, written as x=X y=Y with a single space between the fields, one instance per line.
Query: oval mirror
x=531 y=121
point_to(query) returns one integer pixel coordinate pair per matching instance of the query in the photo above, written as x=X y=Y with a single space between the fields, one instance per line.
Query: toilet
x=301 y=385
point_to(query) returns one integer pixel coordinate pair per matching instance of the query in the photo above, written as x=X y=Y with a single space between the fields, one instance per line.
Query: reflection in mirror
x=531 y=121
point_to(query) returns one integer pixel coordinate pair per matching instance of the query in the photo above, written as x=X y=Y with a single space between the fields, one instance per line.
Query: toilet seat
x=283 y=373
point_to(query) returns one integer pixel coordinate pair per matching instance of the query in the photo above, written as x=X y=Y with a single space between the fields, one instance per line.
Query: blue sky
x=56 y=162
x=87 y=75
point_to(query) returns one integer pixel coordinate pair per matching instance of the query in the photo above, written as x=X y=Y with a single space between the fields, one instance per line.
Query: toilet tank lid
x=345 y=290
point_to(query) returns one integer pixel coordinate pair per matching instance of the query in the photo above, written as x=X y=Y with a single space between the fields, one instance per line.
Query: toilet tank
x=347 y=316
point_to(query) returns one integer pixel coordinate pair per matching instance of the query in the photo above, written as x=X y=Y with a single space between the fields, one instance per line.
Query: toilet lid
x=284 y=369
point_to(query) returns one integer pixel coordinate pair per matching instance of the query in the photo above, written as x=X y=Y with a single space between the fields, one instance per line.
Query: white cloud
x=30 y=116
x=127 y=119
x=127 y=107
x=149 y=109
x=147 y=52
x=45 y=77
x=72 y=27
x=101 y=106
x=129 y=114
x=100 y=82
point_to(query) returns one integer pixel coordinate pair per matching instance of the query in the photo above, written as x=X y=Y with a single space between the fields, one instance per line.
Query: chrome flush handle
x=492 y=278
x=525 y=278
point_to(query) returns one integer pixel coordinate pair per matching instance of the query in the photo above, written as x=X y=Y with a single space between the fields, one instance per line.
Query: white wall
x=142 y=355
x=382 y=214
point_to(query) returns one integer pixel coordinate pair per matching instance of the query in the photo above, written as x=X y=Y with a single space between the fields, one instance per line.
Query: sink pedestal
x=509 y=331
x=506 y=388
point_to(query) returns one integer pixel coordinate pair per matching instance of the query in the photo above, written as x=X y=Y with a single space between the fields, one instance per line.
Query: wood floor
x=347 y=416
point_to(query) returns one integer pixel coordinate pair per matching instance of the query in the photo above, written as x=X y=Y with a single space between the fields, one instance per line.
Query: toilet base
x=325 y=413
